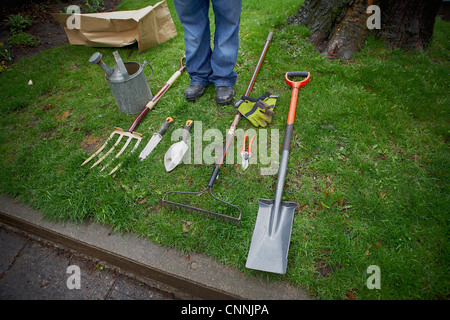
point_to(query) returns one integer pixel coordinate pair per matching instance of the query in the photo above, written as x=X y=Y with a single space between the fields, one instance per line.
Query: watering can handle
x=151 y=68
x=121 y=65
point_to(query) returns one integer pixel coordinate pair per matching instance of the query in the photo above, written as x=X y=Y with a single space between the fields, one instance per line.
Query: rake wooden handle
x=156 y=98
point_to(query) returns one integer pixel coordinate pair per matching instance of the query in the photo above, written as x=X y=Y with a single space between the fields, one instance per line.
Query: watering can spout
x=96 y=58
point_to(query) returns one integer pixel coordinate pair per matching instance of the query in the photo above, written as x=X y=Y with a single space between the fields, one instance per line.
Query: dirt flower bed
x=47 y=31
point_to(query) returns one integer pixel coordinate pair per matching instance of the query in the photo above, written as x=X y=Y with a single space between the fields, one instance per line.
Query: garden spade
x=176 y=152
x=272 y=234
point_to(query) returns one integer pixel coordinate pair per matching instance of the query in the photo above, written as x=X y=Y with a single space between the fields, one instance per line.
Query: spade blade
x=270 y=241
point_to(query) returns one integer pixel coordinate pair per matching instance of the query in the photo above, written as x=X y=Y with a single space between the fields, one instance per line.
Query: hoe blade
x=271 y=237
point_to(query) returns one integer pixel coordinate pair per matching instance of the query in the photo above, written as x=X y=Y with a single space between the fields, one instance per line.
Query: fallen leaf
x=66 y=114
x=352 y=295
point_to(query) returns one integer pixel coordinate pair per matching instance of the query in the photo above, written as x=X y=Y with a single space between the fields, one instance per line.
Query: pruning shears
x=246 y=155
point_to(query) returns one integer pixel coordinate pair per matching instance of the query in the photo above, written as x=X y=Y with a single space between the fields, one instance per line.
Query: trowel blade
x=268 y=252
x=156 y=138
x=174 y=155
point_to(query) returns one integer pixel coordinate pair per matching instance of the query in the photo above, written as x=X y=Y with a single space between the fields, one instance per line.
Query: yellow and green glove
x=258 y=111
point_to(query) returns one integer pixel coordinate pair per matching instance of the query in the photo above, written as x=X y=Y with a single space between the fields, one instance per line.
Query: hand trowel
x=176 y=152
x=156 y=138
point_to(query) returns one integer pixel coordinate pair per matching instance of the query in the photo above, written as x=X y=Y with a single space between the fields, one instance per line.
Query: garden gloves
x=258 y=111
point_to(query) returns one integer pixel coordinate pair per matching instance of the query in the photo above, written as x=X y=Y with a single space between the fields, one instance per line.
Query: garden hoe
x=130 y=134
x=272 y=234
x=237 y=216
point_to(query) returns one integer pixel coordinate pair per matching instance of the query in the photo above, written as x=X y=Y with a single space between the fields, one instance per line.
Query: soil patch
x=45 y=28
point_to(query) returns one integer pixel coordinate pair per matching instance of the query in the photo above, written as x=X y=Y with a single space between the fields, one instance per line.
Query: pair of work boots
x=224 y=95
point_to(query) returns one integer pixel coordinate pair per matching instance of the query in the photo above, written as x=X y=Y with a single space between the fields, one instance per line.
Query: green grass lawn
x=369 y=156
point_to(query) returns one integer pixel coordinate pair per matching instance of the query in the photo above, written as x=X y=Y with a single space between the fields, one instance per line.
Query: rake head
x=121 y=134
x=188 y=208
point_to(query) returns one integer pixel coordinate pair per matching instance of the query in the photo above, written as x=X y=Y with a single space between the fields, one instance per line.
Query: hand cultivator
x=237 y=216
x=130 y=134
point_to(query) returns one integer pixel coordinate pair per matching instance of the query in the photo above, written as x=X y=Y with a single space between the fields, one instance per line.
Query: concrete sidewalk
x=31 y=269
x=141 y=268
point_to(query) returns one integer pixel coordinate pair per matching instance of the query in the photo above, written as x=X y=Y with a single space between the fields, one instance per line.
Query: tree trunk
x=339 y=27
x=408 y=24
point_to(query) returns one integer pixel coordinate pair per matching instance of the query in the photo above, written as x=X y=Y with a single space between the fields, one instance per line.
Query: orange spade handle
x=295 y=86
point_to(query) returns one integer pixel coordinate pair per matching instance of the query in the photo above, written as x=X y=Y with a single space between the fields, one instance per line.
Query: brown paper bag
x=148 y=26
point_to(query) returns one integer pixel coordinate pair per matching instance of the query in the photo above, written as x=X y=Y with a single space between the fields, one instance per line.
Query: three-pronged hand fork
x=130 y=134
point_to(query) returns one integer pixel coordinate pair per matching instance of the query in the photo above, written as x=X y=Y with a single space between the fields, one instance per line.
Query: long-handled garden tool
x=130 y=134
x=220 y=160
x=271 y=236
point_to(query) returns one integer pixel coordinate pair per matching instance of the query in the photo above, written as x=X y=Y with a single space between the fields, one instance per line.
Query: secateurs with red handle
x=246 y=155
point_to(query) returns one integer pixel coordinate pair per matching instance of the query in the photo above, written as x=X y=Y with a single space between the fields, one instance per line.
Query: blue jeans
x=204 y=65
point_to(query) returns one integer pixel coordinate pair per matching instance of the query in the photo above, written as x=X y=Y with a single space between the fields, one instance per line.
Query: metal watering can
x=127 y=81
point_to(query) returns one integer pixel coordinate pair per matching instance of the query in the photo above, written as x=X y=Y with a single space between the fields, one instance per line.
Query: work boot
x=194 y=92
x=224 y=95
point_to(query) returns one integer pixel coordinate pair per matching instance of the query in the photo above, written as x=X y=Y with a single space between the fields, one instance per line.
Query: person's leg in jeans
x=206 y=66
x=226 y=42
x=193 y=15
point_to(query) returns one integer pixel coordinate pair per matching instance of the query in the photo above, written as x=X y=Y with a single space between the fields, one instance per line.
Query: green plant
x=17 y=23
x=5 y=52
x=3 y=67
x=23 y=39
x=93 y=6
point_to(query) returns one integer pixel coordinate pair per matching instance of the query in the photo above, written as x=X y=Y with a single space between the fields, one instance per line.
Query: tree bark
x=339 y=27
x=408 y=24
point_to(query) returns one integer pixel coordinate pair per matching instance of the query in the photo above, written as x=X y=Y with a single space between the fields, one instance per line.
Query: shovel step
x=270 y=242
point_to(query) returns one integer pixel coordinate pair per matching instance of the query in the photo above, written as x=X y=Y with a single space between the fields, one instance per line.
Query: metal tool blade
x=269 y=250
x=174 y=155
x=156 y=138
x=245 y=157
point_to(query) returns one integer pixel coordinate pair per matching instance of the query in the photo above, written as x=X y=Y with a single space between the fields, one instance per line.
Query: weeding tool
x=220 y=159
x=176 y=152
x=246 y=155
x=130 y=134
x=270 y=241
x=156 y=138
